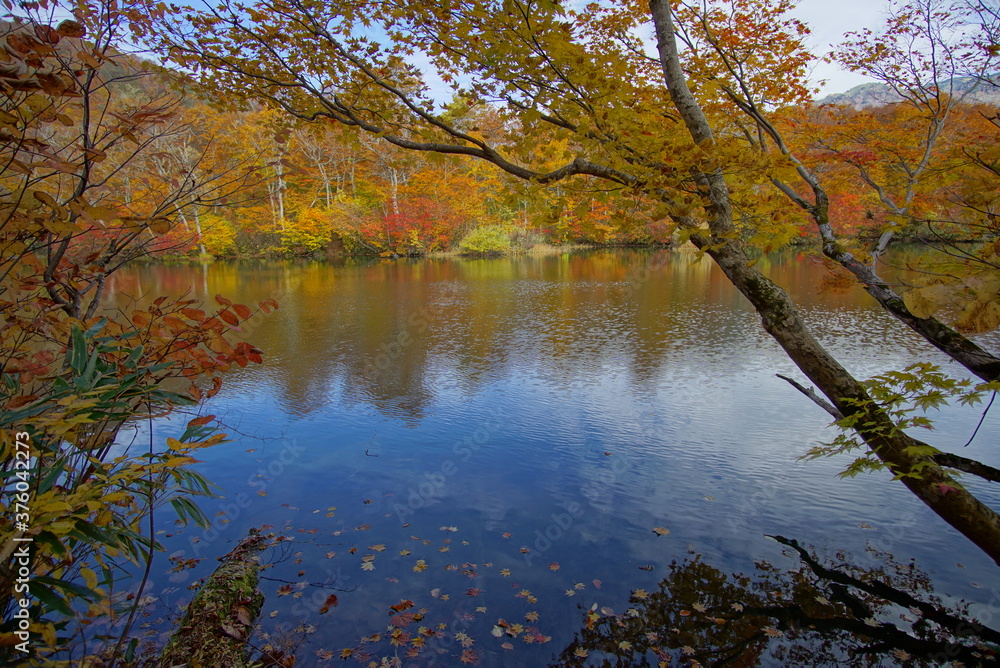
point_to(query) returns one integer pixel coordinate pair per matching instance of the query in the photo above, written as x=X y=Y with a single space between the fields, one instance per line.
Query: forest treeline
x=295 y=188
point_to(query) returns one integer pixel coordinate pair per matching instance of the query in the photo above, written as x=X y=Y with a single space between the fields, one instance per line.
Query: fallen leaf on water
x=660 y=531
x=421 y=565
x=554 y=566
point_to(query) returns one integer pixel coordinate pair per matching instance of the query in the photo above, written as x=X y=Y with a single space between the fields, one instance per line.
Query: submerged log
x=220 y=618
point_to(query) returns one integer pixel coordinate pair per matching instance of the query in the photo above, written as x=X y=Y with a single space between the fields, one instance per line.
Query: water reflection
x=635 y=388
x=399 y=335
x=821 y=611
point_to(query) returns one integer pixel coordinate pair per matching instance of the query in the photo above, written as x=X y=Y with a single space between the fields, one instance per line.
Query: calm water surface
x=552 y=411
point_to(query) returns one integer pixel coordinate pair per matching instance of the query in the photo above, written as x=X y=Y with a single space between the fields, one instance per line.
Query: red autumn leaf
x=331 y=602
x=242 y=311
x=229 y=317
x=216 y=386
x=22 y=400
x=223 y=301
x=198 y=421
x=402 y=605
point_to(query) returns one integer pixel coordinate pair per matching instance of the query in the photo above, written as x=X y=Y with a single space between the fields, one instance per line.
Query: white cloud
x=830 y=21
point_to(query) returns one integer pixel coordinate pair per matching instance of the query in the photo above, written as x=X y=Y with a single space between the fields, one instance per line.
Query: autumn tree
x=71 y=375
x=693 y=133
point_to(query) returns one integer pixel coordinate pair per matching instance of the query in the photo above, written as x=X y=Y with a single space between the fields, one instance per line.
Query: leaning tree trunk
x=779 y=316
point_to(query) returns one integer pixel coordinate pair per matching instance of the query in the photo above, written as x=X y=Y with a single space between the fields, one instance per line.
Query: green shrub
x=486 y=240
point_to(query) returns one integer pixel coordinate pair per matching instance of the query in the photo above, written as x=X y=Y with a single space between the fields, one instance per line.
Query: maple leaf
x=464 y=640
x=367 y=566
x=421 y=565
x=772 y=632
x=554 y=566
x=640 y=594
x=474 y=591
x=346 y=653
x=404 y=553
x=507 y=534
x=331 y=602
x=660 y=531
x=625 y=645
x=531 y=617
x=377 y=548
x=581 y=653
x=330 y=555
x=481 y=609
x=700 y=607
x=402 y=605
x=570 y=592
x=285 y=590
x=505 y=572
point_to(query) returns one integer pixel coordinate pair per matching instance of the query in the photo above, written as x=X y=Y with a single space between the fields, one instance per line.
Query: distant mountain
x=875 y=94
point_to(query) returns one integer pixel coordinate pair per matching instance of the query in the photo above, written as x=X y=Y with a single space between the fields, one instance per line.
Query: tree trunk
x=220 y=618
x=782 y=321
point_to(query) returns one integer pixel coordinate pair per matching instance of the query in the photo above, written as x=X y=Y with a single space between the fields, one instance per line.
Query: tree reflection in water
x=826 y=612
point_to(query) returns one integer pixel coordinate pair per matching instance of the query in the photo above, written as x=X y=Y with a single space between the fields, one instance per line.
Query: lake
x=458 y=432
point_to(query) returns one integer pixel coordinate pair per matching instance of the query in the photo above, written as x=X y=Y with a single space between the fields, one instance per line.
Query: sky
x=829 y=21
